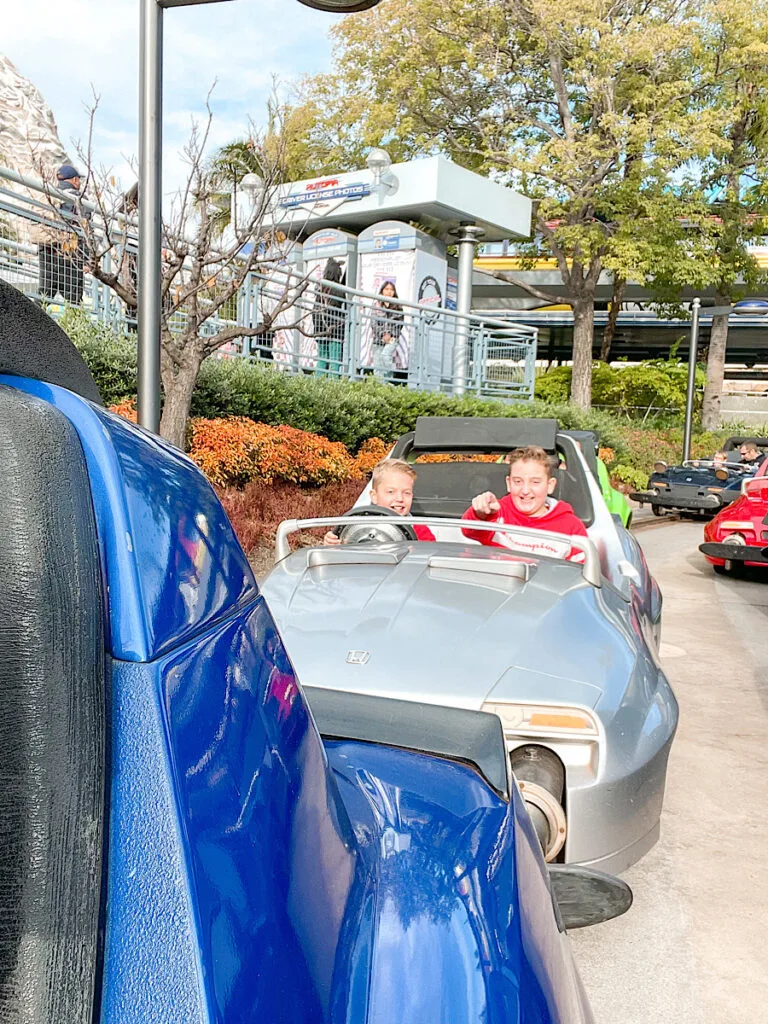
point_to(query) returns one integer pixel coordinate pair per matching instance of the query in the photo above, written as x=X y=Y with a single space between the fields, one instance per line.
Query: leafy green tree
x=723 y=198
x=286 y=144
x=563 y=100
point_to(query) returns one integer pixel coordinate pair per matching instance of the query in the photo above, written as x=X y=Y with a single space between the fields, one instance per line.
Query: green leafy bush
x=653 y=384
x=647 y=446
x=352 y=411
x=633 y=479
x=111 y=357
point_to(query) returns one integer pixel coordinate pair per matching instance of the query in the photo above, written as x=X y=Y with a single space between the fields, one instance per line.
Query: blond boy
x=391 y=487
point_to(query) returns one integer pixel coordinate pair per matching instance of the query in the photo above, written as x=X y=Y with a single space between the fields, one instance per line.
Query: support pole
x=692 y=354
x=467 y=236
x=150 y=211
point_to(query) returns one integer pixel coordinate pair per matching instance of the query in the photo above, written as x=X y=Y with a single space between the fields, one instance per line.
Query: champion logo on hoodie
x=559 y=518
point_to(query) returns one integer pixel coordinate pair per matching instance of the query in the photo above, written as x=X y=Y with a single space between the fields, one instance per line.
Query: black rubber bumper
x=693 y=503
x=735 y=552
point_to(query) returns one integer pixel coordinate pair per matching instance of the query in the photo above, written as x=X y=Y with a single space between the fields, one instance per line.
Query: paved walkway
x=694 y=947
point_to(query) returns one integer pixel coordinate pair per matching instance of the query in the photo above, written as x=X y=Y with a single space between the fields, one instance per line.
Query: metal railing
x=308 y=325
x=331 y=330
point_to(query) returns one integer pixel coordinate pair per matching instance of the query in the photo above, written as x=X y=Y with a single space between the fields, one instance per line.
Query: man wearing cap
x=60 y=250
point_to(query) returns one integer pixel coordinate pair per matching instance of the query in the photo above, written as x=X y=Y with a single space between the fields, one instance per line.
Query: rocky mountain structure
x=29 y=139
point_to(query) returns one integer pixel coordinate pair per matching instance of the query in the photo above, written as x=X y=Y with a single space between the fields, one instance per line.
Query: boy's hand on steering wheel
x=485 y=505
x=330 y=539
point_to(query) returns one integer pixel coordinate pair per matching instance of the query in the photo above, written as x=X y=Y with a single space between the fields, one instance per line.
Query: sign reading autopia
x=318 y=192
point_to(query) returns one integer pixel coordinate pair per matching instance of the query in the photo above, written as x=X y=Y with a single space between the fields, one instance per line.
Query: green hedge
x=111 y=357
x=646 y=446
x=351 y=412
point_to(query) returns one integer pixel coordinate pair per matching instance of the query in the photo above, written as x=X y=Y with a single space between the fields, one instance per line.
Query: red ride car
x=738 y=535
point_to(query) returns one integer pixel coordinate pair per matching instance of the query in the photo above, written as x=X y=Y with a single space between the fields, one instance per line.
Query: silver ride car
x=564 y=654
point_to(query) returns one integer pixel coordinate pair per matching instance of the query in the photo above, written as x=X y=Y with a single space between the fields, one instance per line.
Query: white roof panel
x=432 y=190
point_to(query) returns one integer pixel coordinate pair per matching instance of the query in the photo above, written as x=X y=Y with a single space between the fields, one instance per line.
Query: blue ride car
x=183 y=842
x=700 y=485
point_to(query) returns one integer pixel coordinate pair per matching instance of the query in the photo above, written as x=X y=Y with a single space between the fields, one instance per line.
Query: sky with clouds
x=71 y=50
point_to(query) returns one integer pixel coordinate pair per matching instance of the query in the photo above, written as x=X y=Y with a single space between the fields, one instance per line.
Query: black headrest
x=33 y=345
x=482 y=433
x=447 y=489
x=588 y=439
x=737 y=442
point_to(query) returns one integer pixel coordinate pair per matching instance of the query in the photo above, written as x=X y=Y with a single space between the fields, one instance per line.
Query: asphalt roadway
x=694 y=947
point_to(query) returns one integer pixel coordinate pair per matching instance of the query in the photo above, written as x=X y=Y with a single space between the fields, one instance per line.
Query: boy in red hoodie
x=530 y=484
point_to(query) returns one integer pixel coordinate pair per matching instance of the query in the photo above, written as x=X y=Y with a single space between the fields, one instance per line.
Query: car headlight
x=736 y=524
x=658 y=484
x=737 y=539
x=555 y=720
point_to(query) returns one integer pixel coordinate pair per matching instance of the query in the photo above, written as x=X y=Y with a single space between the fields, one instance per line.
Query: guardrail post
x=529 y=379
x=480 y=357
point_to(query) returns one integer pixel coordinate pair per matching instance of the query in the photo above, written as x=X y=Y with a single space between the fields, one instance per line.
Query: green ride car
x=618 y=503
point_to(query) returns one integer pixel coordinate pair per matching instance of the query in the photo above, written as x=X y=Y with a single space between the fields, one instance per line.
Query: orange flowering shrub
x=126 y=409
x=455 y=457
x=235 y=450
x=606 y=455
x=370 y=454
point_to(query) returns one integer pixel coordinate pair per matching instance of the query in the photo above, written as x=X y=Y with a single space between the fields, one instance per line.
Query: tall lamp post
x=150 y=188
x=692 y=354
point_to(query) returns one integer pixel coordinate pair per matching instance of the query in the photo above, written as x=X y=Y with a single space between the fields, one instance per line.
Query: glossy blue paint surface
x=171 y=561
x=452 y=937
x=221 y=796
x=385 y=889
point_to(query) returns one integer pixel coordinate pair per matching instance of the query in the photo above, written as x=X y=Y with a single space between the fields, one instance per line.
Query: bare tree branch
x=537 y=293
x=205 y=261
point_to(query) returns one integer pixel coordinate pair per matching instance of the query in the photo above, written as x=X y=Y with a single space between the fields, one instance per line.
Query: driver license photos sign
x=318 y=193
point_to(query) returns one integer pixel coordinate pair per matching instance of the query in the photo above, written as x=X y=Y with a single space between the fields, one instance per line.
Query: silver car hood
x=446 y=636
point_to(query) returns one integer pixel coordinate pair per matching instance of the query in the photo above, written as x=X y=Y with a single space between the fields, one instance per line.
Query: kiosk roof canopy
x=433 y=191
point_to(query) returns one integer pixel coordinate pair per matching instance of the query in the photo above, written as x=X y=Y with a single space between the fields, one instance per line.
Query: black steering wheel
x=384 y=533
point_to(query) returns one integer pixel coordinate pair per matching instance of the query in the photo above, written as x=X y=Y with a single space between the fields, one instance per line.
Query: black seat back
x=33 y=345
x=447 y=488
